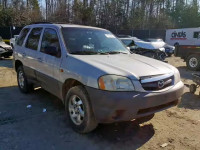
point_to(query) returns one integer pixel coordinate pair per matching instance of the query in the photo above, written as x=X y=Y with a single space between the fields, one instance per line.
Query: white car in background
x=169 y=49
x=150 y=49
x=5 y=49
x=13 y=40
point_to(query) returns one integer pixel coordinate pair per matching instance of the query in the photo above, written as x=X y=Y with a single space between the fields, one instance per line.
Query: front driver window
x=50 y=43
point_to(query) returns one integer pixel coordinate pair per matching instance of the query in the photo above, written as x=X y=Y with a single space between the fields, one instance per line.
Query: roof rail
x=42 y=22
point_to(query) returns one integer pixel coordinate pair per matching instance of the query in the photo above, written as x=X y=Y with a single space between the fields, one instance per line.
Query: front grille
x=158 y=85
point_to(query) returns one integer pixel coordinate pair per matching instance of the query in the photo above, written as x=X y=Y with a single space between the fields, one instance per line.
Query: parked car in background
x=5 y=49
x=149 y=49
x=94 y=74
x=13 y=40
x=169 y=50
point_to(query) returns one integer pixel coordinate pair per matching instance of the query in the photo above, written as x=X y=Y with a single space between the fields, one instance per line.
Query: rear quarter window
x=22 y=36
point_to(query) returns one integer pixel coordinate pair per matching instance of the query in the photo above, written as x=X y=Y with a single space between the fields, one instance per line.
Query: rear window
x=33 y=38
x=22 y=36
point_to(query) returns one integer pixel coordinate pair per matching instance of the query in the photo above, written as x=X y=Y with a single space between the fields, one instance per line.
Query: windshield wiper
x=97 y=53
x=84 y=52
x=114 y=52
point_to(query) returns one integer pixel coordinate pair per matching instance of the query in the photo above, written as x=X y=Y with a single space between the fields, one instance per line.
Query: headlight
x=115 y=83
x=177 y=77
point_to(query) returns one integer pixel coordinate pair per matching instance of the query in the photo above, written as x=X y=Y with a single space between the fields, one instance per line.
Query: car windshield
x=92 y=41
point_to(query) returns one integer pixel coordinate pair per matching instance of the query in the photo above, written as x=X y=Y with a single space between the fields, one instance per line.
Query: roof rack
x=43 y=22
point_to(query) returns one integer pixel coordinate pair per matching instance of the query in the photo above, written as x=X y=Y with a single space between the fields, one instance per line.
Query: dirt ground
x=31 y=128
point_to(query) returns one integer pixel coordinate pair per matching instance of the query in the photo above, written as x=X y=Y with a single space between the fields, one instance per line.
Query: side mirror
x=52 y=50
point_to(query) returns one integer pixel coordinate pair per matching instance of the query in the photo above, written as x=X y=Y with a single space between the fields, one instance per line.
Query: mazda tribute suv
x=94 y=74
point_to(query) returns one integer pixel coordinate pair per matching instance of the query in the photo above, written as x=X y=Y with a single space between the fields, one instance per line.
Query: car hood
x=4 y=45
x=149 y=45
x=131 y=65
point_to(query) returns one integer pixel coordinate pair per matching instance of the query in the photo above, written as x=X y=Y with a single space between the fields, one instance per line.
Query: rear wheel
x=22 y=81
x=193 y=62
x=79 y=110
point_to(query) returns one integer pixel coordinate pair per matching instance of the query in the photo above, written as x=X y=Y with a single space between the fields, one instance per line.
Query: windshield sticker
x=109 y=36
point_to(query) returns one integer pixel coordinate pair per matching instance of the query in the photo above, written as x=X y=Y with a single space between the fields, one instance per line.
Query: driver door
x=49 y=60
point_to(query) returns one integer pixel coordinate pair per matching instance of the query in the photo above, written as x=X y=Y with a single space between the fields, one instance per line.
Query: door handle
x=39 y=59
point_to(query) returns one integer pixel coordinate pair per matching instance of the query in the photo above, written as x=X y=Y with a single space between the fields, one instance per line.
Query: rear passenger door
x=30 y=51
x=49 y=58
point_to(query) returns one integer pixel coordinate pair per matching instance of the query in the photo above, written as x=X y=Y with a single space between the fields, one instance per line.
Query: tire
x=82 y=109
x=161 y=56
x=193 y=88
x=23 y=84
x=193 y=62
x=144 y=119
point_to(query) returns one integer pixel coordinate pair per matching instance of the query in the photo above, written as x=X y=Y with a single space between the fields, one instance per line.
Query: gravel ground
x=31 y=128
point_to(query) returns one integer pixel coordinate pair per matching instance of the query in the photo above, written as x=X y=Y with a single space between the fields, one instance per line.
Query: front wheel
x=193 y=62
x=79 y=110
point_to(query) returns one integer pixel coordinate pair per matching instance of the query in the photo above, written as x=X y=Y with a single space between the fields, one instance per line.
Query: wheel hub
x=76 y=110
x=193 y=62
x=21 y=79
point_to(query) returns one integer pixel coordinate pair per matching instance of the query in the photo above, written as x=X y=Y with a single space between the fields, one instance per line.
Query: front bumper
x=111 y=107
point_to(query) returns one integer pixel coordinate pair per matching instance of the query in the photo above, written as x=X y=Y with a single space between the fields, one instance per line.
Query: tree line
x=111 y=14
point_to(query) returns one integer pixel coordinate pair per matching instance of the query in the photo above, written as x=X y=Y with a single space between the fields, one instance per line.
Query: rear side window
x=33 y=38
x=50 y=43
x=22 y=36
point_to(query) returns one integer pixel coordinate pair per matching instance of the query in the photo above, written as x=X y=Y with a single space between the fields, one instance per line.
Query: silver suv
x=94 y=74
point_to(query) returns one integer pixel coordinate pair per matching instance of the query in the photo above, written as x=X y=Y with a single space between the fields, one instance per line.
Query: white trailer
x=185 y=36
